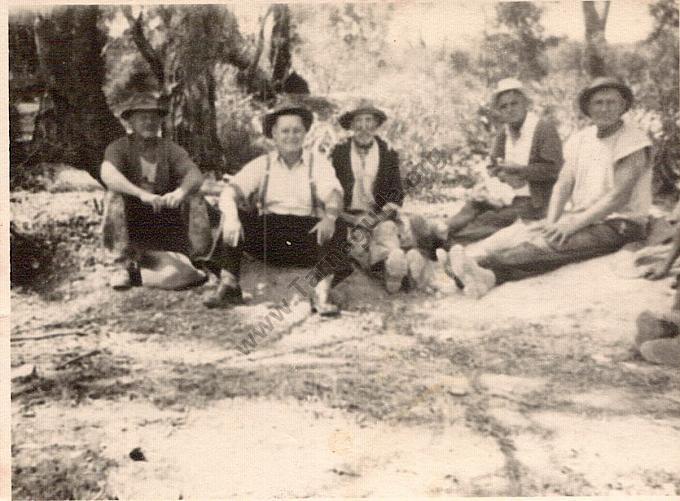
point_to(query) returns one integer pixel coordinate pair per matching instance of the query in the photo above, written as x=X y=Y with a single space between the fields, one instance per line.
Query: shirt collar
x=517 y=133
x=304 y=160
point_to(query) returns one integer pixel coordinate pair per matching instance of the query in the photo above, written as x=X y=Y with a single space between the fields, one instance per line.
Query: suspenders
x=262 y=195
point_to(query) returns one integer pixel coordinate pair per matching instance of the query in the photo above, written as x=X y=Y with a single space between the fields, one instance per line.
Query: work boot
x=319 y=302
x=662 y=351
x=325 y=309
x=126 y=277
x=651 y=326
x=419 y=270
x=396 y=268
x=476 y=280
x=225 y=295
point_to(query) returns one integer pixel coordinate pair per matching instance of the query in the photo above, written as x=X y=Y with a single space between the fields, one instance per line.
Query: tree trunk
x=69 y=46
x=596 y=45
x=192 y=121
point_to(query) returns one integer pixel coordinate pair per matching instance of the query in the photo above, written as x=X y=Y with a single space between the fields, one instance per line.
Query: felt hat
x=604 y=83
x=365 y=106
x=505 y=85
x=142 y=101
x=286 y=106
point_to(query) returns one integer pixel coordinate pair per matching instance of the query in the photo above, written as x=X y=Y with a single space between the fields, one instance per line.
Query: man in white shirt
x=283 y=208
x=600 y=202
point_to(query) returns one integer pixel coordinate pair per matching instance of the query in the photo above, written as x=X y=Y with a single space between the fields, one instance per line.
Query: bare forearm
x=599 y=210
x=558 y=200
x=333 y=205
x=116 y=181
x=192 y=181
x=227 y=203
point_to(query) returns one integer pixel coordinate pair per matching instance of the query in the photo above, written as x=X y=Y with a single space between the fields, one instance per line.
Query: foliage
x=342 y=45
x=661 y=86
x=436 y=99
x=518 y=46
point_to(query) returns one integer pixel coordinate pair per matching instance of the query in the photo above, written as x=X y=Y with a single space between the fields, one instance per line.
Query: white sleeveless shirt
x=592 y=161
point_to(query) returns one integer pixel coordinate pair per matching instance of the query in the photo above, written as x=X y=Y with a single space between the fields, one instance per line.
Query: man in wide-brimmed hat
x=152 y=202
x=397 y=247
x=607 y=181
x=368 y=170
x=283 y=208
x=526 y=154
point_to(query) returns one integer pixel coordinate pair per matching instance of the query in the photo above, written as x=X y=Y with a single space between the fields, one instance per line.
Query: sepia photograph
x=344 y=250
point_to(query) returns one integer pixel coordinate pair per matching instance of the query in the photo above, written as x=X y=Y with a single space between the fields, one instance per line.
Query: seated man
x=283 y=208
x=369 y=173
x=152 y=203
x=607 y=178
x=526 y=154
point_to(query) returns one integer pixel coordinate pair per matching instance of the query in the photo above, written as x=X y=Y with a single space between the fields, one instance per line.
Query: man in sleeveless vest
x=600 y=202
x=387 y=242
x=526 y=154
x=152 y=203
x=283 y=208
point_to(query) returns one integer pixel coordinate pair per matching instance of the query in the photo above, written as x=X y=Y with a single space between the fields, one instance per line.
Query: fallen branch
x=48 y=336
x=76 y=359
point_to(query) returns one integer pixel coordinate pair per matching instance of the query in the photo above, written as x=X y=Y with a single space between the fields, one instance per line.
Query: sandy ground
x=532 y=390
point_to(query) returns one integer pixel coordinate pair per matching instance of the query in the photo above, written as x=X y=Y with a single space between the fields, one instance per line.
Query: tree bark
x=596 y=45
x=69 y=48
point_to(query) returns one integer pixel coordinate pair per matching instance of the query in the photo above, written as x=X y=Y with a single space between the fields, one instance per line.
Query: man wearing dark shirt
x=150 y=204
x=526 y=154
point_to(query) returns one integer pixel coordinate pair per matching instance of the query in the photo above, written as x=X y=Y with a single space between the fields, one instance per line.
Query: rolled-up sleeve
x=248 y=179
x=326 y=181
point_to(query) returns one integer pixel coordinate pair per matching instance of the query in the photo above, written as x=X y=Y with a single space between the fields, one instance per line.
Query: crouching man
x=283 y=208
x=152 y=203
x=607 y=181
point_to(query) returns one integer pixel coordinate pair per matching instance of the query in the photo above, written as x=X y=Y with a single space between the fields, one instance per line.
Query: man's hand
x=512 y=168
x=390 y=208
x=173 y=199
x=511 y=179
x=657 y=271
x=155 y=201
x=324 y=229
x=232 y=231
x=558 y=233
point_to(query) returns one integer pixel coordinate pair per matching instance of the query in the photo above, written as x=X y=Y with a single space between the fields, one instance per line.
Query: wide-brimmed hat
x=142 y=101
x=364 y=106
x=505 y=85
x=287 y=106
x=604 y=83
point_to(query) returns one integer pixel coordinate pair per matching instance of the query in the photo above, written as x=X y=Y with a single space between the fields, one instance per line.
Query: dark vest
x=545 y=162
x=387 y=186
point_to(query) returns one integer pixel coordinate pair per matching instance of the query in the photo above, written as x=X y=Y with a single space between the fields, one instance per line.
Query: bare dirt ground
x=532 y=390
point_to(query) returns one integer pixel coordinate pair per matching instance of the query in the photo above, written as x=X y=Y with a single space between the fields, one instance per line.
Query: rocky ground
x=532 y=390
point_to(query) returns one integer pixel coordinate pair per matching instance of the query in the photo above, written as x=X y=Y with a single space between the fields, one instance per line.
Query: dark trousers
x=285 y=240
x=131 y=227
x=527 y=259
x=478 y=220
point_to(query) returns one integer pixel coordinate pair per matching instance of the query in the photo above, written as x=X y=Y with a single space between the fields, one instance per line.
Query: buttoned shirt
x=288 y=190
x=364 y=169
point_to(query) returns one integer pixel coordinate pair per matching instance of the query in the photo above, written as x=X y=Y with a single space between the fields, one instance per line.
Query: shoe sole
x=476 y=280
x=396 y=268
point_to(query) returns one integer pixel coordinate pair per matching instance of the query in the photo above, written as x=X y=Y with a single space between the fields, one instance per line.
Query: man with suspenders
x=283 y=208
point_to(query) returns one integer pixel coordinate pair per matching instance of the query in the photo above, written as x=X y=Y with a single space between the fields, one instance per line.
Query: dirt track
x=532 y=390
